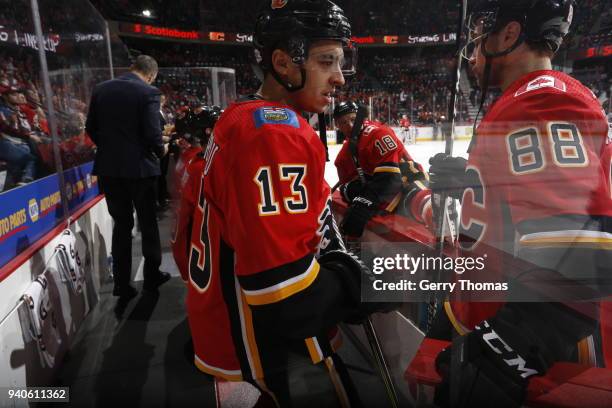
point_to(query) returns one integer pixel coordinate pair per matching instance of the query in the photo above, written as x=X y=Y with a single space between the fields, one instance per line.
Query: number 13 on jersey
x=294 y=175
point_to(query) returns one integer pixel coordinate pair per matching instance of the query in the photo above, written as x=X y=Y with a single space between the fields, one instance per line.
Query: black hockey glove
x=357 y=216
x=350 y=190
x=495 y=361
x=352 y=271
x=447 y=174
x=482 y=367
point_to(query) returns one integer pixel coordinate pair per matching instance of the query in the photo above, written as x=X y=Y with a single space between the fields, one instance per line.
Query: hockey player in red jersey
x=188 y=147
x=268 y=235
x=536 y=200
x=207 y=313
x=407 y=136
x=391 y=180
x=202 y=123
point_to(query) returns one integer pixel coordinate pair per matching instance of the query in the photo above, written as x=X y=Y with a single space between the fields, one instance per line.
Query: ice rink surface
x=421 y=152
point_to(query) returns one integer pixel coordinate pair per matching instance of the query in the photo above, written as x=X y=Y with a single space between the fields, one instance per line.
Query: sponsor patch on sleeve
x=544 y=81
x=275 y=116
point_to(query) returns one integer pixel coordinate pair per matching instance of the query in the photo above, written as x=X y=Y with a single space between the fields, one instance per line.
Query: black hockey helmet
x=182 y=123
x=345 y=107
x=292 y=25
x=206 y=117
x=544 y=22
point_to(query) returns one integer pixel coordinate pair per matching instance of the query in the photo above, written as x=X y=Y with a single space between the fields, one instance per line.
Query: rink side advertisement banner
x=30 y=211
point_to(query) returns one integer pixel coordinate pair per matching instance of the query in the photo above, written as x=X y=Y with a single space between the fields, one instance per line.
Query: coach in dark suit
x=123 y=122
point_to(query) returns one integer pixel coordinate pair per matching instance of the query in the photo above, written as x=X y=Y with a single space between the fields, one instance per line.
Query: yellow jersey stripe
x=586 y=352
x=284 y=289
x=229 y=375
x=387 y=169
x=459 y=327
x=316 y=355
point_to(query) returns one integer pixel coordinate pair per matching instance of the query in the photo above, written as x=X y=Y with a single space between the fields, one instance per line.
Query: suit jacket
x=123 y=121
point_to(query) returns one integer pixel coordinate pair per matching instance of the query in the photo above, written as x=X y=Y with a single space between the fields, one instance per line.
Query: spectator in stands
x=15 y=137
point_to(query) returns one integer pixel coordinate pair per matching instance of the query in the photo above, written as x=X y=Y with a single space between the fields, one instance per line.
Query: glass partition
x=45 y=155
x=24 y=131
x=197 y=86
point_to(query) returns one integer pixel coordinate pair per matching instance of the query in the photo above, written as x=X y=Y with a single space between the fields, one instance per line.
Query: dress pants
x=122 y=196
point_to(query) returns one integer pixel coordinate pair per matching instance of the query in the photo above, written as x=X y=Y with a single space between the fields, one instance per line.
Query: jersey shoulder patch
x=272 y=115
x=543 y=81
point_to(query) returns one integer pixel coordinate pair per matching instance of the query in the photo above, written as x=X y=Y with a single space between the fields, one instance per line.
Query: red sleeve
x=184 y=221
x=607 y=163
x=344 y=164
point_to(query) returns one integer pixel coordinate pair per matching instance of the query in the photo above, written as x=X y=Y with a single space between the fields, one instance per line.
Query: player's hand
x=350 y=190
x=447 y=174
x=357 y=216
x=485 y=367
x=352 y=272
x=165 y=149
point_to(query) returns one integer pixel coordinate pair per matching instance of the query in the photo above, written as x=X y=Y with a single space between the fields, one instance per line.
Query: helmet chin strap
x=487 y=76
x=287 y=85
x=484 y=88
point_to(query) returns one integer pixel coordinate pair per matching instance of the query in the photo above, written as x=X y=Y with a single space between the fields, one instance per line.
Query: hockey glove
x=447 y=174
x=351 y=271
x=482 y=367
x=350 y=190
x=357 y=216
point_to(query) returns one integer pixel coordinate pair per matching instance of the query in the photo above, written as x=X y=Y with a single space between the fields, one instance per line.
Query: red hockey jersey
x=180 y=169
x=186 y=213
x=266 y=218
x=206 y=310
x=380 y=151
x=537 y=155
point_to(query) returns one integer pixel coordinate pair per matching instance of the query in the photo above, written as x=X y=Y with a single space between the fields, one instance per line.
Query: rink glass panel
x=38 y=192
x=197 y=86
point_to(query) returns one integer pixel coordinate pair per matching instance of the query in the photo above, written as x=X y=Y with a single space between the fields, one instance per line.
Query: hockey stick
x=381 y=362
x=335 y=187
x=354 y=140
x=323 y=133
x=450 y=126
x=353 y=144
x=444 y=217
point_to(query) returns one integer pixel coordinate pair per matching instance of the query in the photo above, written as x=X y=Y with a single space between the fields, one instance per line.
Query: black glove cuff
x=349 y=267
x=350 y=190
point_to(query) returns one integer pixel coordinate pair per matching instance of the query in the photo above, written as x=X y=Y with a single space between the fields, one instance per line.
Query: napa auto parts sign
x=30 y=211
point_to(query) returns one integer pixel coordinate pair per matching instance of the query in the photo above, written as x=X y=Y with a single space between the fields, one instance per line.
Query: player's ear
x=511 y=33
x=281 y=61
